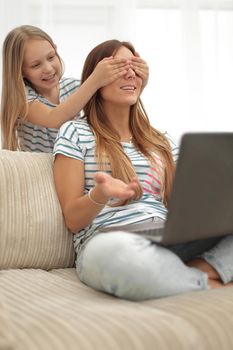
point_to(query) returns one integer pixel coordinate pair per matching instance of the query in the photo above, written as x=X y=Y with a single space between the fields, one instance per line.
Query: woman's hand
x=114 y=188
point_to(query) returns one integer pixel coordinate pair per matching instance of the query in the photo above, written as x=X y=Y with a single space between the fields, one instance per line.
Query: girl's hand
x=141 y=69
x=109 y=69
x=110 y=187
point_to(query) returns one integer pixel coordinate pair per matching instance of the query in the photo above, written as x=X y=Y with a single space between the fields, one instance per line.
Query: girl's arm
x=105 y=72
x=80 y=210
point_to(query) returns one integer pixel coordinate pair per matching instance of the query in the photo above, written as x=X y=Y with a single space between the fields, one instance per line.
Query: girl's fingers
x=141 y=67
x=112 y=60
x=117 y=63
x=138 y=59
x=137 y=62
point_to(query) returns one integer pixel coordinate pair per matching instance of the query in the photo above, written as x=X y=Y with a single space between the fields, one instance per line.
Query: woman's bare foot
x=218 y=284
x=205 y=267
x=214 y=280
x=215 y=283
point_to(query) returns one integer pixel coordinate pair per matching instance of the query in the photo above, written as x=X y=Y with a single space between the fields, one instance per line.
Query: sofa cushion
x=6 y=335
x=32 y=229
x=54 y=310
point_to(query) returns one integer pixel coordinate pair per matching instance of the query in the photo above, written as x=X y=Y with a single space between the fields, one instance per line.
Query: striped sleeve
x=174 y=147
x=68 y=86
x=67 y=142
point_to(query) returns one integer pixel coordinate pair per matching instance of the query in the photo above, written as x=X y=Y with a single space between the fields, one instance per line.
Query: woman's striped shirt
x=76 y=140
x=35 y=138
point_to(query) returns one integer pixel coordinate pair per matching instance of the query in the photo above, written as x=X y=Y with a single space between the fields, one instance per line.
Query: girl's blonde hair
x=147 y=139
x=14 y=100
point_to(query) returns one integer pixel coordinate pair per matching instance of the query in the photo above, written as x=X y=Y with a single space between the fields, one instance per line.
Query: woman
x=113 y=168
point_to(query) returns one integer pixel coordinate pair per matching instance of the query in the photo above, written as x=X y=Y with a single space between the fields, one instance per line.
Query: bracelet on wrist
x=94 y=201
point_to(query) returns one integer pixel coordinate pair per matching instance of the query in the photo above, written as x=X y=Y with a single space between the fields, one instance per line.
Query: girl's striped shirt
x=76 y=140
x=35 y=138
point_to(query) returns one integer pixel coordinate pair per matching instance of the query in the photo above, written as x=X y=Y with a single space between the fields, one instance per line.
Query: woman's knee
x=116 y=263
x=117 y=248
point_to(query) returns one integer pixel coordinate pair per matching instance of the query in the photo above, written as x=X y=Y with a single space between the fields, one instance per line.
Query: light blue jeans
x=132 y=267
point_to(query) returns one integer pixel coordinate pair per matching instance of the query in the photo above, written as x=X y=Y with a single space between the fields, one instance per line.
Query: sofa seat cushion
x=209 y=312
x=54 y=310
x=6 y=330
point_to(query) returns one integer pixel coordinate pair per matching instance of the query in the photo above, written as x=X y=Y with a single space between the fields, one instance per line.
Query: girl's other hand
x=141 y=69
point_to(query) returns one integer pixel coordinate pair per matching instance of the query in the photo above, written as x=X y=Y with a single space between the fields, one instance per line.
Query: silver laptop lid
x=201 y=203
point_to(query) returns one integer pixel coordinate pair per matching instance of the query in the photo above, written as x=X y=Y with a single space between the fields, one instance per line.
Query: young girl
x=36 y=101
x=112 y=168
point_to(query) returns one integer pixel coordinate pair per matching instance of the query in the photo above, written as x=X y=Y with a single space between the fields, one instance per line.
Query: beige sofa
x=43 y=305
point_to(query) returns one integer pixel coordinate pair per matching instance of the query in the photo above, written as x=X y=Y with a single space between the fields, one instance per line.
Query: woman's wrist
x=97 y=198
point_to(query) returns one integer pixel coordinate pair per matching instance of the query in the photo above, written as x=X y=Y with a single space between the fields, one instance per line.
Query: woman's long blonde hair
x=147 y=139
x=14 y=100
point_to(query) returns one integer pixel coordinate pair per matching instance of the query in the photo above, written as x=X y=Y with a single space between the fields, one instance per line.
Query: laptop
x=201 y=202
